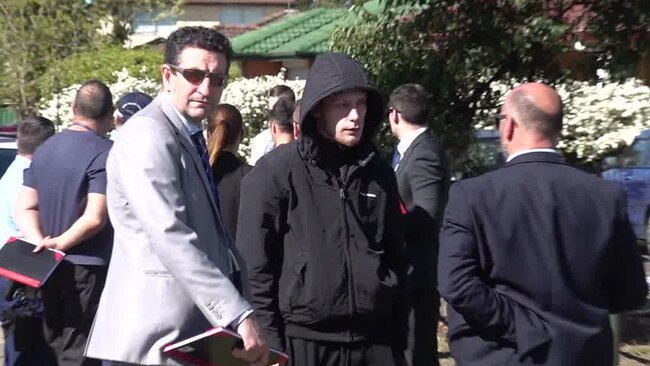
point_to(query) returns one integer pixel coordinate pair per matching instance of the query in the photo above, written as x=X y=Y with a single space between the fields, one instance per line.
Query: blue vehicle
x=632 y=169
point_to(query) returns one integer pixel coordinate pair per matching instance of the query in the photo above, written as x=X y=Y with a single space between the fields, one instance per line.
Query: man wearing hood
x=322 y=237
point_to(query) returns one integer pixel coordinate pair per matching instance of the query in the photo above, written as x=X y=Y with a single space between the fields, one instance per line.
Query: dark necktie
x=396 y=158
x=202 y=149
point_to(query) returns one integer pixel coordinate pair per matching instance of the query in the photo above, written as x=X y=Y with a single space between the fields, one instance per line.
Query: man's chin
x=198 y=114
x=348 y=141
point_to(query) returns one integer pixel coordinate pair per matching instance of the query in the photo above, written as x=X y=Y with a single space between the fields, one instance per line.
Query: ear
x=274 y=128
x=508 y=128
x=166 y=73
x=394 y=117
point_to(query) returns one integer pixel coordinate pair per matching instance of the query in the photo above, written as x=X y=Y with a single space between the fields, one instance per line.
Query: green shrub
x=101 y=64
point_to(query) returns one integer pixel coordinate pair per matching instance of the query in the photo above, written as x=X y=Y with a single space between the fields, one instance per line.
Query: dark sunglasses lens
x=194 y=76
x=217 y=80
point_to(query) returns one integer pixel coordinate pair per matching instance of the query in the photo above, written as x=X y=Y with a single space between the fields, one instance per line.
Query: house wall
x=253 y=68
x=225 y=14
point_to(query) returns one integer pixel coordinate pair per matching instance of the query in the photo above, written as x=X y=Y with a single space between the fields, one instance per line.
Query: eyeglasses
x=391 y=109
x=196 y=76
x=496 y=119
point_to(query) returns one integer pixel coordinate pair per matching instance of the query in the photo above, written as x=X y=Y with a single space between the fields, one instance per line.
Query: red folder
x=19 y=263
x=214 y=348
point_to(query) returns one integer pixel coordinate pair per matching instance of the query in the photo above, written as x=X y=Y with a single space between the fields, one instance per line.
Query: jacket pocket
x=376 y=285
x=300 y=300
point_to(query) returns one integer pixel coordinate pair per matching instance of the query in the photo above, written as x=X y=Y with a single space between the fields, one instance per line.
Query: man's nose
x=204 y=87
x=354 y=114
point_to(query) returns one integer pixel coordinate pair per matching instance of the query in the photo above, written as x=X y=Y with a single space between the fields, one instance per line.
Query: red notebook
x=19 y=263
x=214 y=348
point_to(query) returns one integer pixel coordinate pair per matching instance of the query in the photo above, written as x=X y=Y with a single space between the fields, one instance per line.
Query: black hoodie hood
x=332 y=73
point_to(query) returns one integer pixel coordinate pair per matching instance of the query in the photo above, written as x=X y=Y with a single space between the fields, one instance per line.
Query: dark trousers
x=70 y=298
x=23 y=331
x=423 y=326
x=425 y=307
x=304 y=352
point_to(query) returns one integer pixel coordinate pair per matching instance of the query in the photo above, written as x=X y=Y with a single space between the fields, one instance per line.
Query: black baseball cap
x=131 y=104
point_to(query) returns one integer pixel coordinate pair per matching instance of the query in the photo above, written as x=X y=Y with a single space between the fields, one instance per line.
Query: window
x=240 y=15
x=154 y=22
x=637 y=155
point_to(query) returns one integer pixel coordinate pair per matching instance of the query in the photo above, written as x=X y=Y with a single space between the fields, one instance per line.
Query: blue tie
x=396 y=158
x=202 y=149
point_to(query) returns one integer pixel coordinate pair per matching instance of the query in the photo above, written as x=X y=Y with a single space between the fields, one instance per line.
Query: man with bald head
x=62 y=205
x=534 y=256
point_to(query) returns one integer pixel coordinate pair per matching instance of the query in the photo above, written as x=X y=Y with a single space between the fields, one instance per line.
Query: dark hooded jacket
x=320 y=228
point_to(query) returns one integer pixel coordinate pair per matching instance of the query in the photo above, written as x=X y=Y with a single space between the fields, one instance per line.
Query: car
x=632 y=169
x=7 y=147
x=482 y=156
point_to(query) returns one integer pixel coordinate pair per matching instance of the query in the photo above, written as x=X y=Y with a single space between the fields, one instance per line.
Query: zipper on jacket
x=349 y=256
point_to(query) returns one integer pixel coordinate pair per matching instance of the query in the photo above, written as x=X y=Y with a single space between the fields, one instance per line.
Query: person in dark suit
x=422 y=180
x=535 y=255
x=225 y=131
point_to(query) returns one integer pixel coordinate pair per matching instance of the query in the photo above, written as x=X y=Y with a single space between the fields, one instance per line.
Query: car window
x=6 y=157
x=637 y=155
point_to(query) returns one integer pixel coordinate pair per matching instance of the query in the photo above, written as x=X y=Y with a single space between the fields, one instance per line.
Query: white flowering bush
x=58 y=107
x=250 y=96
x=598 y=117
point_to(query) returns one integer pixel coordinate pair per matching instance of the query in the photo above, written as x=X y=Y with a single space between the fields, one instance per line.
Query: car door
x=634 y=173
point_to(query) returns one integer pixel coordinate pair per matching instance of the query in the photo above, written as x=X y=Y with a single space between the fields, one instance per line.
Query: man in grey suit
x=422 y=183
x=174 y=271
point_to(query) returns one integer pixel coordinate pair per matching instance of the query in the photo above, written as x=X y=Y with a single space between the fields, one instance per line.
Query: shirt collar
x=23 y=160
x=408 y=140
x=522 y=152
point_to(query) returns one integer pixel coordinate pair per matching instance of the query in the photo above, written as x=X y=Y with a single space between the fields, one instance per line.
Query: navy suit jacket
x=533 y=258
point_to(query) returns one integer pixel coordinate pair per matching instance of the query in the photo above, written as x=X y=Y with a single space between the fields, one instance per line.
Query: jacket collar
x=182 y=134
x=537 y=157
x=312 y=150
x=409 y=150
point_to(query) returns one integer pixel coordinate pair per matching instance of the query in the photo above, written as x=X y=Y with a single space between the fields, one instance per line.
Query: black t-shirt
x=64 y=170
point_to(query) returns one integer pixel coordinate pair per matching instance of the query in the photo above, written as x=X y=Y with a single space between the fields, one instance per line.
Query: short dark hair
x=285 y=93
x=32 y=132
x=281 y=115
x=547 y=124
x=197 y=37
x=412 y=102
x=94 y=100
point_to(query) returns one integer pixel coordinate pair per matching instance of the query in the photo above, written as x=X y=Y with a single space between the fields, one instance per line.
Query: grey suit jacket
x=169 y=273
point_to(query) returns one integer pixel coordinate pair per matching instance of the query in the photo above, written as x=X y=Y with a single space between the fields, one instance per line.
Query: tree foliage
x=34 y=34
x=457 y=48
x=37 y=34
x=142 y=63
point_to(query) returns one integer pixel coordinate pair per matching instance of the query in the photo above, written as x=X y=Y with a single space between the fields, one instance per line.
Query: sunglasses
x=196 y=76
x=496 y=119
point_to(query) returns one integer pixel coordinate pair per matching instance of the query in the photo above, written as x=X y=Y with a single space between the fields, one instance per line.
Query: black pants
x=70 y=298
x=423 y=326
x=425 y=307
x=304 y=352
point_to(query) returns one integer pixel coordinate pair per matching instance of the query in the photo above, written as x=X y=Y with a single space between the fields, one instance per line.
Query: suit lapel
x=407 y=154
x=186 y=143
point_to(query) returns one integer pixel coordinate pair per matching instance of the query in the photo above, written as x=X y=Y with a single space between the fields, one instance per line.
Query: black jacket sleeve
x=425 y=174
x=626 y=277
x=467 y=290
x=396 y=251
x=259 y=239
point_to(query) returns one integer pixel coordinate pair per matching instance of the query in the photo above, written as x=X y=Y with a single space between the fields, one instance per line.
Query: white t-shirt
x=260 y=145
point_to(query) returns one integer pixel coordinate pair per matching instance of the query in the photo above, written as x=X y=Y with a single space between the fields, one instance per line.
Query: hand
x=256 y=350
x=50 y=243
